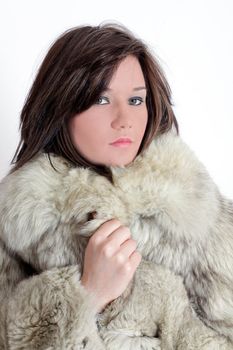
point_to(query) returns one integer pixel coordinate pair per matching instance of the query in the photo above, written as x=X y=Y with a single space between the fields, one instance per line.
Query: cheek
x=142 y=121
x=89 y=131
x=80 y=126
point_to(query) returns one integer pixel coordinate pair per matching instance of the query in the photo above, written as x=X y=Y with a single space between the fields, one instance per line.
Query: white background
x=192 y=38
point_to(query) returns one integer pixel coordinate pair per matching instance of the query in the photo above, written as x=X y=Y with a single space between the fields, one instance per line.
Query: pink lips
x=122 y=142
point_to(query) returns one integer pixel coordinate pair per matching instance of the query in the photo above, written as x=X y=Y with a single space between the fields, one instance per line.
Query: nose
x=122 y=119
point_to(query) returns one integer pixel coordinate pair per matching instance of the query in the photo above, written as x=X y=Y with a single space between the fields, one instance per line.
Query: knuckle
x=120 y=258
x=127 y=268
x=107 y=250
x=94 y=240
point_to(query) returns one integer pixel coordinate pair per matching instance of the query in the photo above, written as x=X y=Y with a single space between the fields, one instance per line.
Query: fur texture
x=179 y=219
x=154 y=313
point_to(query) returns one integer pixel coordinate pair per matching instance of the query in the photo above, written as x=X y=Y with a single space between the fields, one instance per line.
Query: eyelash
x=133 y=98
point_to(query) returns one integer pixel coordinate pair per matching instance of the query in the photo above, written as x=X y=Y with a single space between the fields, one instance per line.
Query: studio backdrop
x=193 y=40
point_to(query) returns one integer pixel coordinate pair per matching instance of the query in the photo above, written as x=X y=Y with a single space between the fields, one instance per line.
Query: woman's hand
x=110 y=262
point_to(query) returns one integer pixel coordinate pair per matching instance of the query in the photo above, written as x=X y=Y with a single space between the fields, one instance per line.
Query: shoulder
x=29 y=199
x=35 y=177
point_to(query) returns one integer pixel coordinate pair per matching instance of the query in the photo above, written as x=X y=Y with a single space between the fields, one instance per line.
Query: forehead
x=128 y=74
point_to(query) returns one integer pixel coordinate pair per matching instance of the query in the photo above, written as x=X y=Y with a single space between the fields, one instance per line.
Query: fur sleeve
x=51 y=310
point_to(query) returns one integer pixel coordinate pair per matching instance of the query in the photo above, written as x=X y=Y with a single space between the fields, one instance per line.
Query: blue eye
x=98 y=101
x=136 y=99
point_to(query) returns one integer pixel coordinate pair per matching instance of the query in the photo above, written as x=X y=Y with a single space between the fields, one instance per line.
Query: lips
x=122 y=140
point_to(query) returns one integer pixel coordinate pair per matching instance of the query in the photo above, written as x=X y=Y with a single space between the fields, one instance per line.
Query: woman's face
x=120 y=112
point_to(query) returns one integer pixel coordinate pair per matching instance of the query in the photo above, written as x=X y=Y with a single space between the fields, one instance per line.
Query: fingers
x=106 y=230
x=126 y=249
x=114 y=240
x=129 y=266
x=135 y=258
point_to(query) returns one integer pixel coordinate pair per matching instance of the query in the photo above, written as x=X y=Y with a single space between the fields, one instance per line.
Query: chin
x=122 y=163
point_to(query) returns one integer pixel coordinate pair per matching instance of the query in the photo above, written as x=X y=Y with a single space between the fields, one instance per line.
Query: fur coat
x=181 y=296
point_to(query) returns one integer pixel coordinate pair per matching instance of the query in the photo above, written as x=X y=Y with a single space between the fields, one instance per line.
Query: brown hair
x=77 y=68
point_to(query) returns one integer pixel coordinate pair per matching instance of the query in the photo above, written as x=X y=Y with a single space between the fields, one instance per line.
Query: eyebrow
x=134 y=89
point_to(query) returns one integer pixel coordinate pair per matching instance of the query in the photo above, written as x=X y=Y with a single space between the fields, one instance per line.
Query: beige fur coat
x=182 y=294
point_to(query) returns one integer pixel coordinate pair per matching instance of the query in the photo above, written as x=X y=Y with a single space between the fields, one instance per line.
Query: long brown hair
x=77 y=68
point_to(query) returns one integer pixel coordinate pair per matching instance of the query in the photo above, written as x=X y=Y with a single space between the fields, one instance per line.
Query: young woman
x=99 y=118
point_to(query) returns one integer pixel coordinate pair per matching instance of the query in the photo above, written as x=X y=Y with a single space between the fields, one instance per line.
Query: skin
x=119 y=112
x=111 y=258
x=110 y=262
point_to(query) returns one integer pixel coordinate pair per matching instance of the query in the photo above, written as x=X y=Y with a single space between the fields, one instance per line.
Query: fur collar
x=167 y=187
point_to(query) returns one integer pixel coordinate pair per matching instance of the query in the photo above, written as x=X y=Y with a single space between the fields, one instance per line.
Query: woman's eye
x=136 y=101
x=101 y=100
